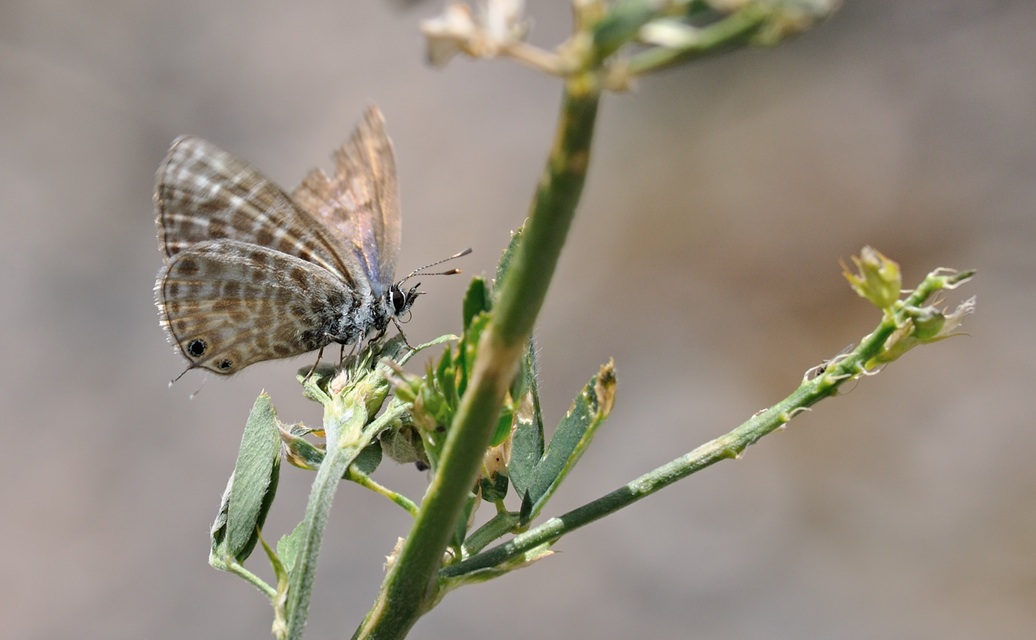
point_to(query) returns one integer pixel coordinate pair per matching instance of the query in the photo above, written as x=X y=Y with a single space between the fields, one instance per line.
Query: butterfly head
x=400 y=300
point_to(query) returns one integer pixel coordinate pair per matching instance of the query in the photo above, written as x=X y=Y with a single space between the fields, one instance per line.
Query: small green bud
x=878 y=279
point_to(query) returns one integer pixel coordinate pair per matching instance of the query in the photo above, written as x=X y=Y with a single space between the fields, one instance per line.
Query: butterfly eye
x=197 y=348
x=399 y=300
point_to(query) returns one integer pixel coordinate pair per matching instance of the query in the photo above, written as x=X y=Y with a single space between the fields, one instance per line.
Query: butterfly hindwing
x=226 y=304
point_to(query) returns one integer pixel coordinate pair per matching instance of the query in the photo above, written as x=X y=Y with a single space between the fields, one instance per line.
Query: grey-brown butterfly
x=254 y=274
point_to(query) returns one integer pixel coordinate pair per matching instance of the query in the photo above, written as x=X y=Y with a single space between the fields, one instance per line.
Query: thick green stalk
x=411 y=586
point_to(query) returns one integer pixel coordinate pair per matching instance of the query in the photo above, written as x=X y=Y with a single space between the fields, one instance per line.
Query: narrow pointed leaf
x=505 y=259
x=461 y=532
x=572 y=437
x=527 y=440
x=484 y=575
x=476 y=300
x=469 y=348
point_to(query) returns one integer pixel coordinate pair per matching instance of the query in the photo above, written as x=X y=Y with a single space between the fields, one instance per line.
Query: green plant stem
x=411 y=588
x=366 y=481
x=239 y=570
x=731 y=31
x=500 y=524
x=344 y=419
x=728 y=446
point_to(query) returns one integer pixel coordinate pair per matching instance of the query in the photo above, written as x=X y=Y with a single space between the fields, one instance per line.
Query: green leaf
x=476 y=300
x=572 y=437
x=369 y=459
x=254 y=481
x=405 y=445
x=445 y=379
x=486 y=574
x=288 y=546
x=493 y=488
x=505 y=259
x=527 y=441
x=503 y=427
x=469 y=349
x=301 y=452
x=219 y=555
x=465 y=521
x=304 y=454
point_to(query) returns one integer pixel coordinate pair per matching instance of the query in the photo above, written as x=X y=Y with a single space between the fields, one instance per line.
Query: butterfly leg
x=400 y=328
x=320 y=353
x=343 y=356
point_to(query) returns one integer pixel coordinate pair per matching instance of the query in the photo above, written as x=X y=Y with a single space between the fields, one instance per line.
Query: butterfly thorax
x=363 y=315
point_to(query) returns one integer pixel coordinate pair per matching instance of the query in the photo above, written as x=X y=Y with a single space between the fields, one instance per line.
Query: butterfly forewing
x=204 y=193
x=228 y=304
x=359 y=204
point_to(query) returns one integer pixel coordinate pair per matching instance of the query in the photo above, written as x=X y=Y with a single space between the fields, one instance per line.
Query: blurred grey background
x=704 y=260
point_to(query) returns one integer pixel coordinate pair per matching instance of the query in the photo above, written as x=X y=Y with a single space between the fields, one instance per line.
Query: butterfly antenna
x=182 y=374
x=421 y=271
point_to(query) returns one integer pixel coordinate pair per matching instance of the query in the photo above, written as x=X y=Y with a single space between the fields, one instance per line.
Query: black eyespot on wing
x=225 y=364
x=196 y=348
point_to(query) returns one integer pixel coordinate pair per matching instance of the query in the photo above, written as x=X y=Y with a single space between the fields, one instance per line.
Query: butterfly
x=251 y=273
